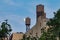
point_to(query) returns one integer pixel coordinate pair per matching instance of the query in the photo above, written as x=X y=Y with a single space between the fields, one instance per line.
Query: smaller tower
x=27 y=23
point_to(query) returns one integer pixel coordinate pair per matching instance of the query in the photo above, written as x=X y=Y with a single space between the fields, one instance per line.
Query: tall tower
x=40 y=12
x=27 y=23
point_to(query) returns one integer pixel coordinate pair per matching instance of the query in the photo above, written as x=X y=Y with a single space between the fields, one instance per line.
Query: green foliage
x=43 y=37
x=28 y=38
x=5 y=29
x=53 y=31
x=24 y=37
x=55 y=23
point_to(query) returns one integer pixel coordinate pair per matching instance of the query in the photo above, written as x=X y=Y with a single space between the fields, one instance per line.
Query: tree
x=5 y=29
x=54 y=27
x=55 y=23
x=24 y=37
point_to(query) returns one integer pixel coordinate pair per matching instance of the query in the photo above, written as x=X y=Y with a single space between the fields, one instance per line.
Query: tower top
x=27 y=21
x=40 y=8
x=40 y=5
x=40 y=12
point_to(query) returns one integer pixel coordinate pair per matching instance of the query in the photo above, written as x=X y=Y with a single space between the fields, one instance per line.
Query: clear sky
x=16 y=10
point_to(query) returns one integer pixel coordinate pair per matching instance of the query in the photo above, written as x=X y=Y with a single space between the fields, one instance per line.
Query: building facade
x=16 y=36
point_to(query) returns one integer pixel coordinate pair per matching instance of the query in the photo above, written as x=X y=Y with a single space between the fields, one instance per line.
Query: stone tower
x=40 y=12
x=40 y=22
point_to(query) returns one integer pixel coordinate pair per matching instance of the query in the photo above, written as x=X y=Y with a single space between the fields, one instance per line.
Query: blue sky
x=16 y=10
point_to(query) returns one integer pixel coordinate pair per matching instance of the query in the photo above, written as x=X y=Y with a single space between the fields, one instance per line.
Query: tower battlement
x=40 y=8
x=40 y=12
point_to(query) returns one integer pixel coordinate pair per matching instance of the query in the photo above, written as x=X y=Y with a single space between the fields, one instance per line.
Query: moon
x=24 y=19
